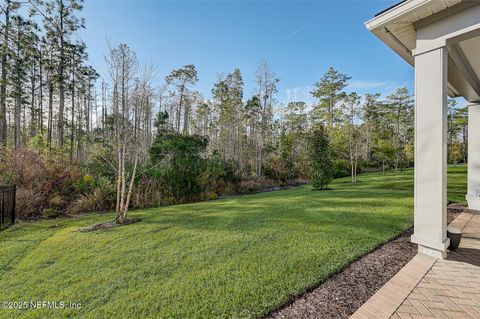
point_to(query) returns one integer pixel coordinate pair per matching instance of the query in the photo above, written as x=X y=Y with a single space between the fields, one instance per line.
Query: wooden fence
x=7 y=205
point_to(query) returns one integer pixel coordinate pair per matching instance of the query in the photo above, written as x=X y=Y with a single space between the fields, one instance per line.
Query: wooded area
x=77 y=139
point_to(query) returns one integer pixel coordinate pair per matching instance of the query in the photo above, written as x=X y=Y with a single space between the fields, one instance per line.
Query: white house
x=441 y=39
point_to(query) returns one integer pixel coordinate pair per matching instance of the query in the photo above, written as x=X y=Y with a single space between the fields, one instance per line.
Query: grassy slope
x=239 y=257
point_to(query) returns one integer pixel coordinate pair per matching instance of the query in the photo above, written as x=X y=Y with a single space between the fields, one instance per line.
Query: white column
x=473 y=193
x=430 y=220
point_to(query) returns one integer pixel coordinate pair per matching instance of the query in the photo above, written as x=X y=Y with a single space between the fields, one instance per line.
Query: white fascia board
x=395 y=13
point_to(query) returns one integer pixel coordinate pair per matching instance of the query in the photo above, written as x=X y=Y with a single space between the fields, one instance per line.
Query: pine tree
x=181 y=79
x=371 y=116
x=266 y=81
x=24 y=41
x=6 y=52
x=400 y=114
x=60 y=22
x=328 y=91
x=227 y=98
x=352 y=117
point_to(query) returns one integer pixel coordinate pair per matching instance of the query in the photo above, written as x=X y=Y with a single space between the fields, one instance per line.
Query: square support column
x=473 y=193
x=430 y=220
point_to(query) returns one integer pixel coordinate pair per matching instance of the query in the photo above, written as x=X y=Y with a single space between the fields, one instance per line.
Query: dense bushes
x=177 y=162
x=50 y=185
x=218 y=175
x=178 y=170
x=341 y=168
x=93 y=194
x=46 y=184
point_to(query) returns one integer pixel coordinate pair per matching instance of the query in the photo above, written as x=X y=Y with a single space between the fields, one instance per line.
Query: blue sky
x=300 y=39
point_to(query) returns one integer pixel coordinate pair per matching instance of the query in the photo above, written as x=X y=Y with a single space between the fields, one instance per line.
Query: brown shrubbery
x=49 y=185
x=44 y=183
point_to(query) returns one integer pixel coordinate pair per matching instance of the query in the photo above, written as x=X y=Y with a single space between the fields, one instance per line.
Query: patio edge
x=384 y=303
x=387 y=299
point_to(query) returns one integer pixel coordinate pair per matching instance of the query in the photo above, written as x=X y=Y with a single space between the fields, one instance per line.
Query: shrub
x=91 y=202
x=99 y=162
x=209 y=196
x=51 y=213
x=86 y=183
x=148 y=192
x=29 y=203
x=217 y=175
x=180 y=162
x=341 y=168
x=56 y=201
x=43 y=181
x=277 y=170
x=253 y=185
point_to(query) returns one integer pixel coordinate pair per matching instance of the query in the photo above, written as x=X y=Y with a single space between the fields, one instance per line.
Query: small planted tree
x=321 y=164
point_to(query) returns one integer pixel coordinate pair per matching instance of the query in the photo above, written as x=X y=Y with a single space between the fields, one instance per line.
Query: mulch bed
x=342 y=294
x=108 y=225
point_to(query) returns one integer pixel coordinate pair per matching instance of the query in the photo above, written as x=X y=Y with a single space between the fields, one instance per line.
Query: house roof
x=397 y=27
x=389 y=8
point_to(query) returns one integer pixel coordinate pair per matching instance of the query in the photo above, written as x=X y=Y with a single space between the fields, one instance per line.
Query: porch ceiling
x=471 y=48
x=397 y=27
x=470 y=86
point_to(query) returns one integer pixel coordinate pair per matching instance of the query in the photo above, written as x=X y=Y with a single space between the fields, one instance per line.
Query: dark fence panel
x=7 y=205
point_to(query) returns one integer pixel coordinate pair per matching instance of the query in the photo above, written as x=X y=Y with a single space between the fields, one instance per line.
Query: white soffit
x=396 y=27
x=471 y=49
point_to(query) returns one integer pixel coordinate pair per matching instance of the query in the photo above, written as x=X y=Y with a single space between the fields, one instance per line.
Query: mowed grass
x=238 y=257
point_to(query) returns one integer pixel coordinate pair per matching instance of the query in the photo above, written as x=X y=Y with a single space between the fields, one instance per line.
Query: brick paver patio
x=432 y=288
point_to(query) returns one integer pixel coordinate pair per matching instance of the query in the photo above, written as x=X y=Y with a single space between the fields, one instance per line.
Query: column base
x=426 y=247
x=473 y=202
x=432 y=252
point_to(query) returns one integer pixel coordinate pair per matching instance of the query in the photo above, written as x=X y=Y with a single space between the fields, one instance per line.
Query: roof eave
x=395 y=13
x=393 y=43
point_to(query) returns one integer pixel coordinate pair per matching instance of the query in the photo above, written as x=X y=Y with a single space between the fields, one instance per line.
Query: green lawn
x=239 y=257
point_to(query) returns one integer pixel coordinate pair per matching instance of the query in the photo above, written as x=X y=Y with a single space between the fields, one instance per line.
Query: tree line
x=87 y=139
x=46 y=86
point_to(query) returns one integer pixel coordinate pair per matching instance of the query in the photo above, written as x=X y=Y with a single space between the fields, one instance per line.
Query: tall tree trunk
x=72 y=131
x=330 y=113
x=122 y=178
x=350 y=151
x=61 y=106
x=119 y=180
x=3 y=83
x=87 y=110
x=123 y=215
x=18 y=99
x=186 y=119
x=17 y=119
x=179 y=109
x=40 y=98
x=50 y=113
x=352 y=170
x=355 y=170
x=104 y=101
x=33 y=130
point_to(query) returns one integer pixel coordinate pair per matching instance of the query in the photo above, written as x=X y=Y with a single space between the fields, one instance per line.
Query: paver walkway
x=432 y=288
